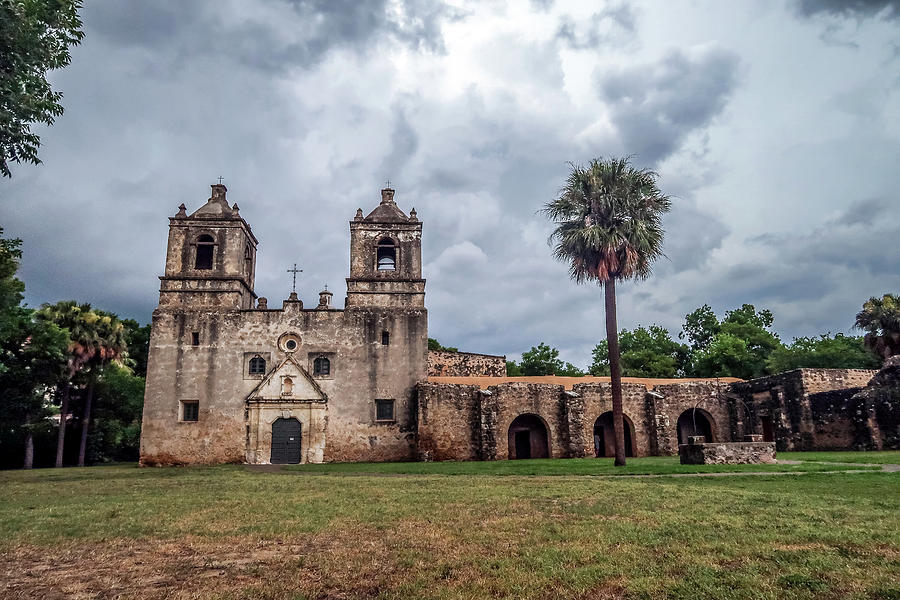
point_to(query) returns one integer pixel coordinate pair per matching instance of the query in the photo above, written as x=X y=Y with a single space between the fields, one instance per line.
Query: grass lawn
x=652 y=465
x=875 y=458
x=232 y=532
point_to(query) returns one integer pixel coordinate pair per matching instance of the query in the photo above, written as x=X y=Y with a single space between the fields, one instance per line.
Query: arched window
x=205 y=246
x=257 y=365
x=387 y=255
x=321 y=366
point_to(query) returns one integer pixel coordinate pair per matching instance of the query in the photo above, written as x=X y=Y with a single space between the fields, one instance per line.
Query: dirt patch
x=194 y=568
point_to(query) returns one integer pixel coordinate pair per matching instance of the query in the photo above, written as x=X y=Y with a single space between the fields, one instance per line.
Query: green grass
x=231 y=532
x=875 y=458
x=653 y=465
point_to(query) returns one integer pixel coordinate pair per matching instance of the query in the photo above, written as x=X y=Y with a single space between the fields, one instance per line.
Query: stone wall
x=449 y=418
x=596 y=399
x=669 y=402
x=465 y=364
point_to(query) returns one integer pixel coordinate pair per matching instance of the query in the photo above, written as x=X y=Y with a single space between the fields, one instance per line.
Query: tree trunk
x=85 y=423
x=29 y=443
x=61 y=437
x=615 y=372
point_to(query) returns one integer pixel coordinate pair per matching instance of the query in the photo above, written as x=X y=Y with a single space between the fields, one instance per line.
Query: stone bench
x=751 y=451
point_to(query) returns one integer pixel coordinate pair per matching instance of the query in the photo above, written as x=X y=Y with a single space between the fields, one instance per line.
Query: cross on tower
x=220 y=179
x=387 y=183
x=295 y=270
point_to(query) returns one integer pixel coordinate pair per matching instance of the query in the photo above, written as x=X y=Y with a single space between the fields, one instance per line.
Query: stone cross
x=295 y=270
x=220 y=179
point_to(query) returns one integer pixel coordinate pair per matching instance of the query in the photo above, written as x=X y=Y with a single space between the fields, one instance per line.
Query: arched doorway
x=528 y=438
x=605 y=437
x=695 y=421
x=285 y=442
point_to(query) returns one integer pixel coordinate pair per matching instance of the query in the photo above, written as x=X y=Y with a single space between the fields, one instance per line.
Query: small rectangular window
x=190 y=410
x=195 y=338
x=385 y=338
x=384 y=410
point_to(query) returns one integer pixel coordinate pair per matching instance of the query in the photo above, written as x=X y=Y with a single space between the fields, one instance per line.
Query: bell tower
x=210 y=258
x=386 y=257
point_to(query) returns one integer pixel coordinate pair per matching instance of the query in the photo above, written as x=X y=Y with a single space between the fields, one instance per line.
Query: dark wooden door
x=768 y=429
x=285 y=442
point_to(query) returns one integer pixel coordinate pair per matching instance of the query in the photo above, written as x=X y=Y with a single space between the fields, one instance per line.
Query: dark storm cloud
x=602 y=27
x=889 y=9
x=285 y=34
x=655 y=106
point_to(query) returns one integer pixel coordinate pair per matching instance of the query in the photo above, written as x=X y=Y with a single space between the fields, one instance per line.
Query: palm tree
x=880 y=319
x=109 y=345
x=608 y=227
x=78 y=321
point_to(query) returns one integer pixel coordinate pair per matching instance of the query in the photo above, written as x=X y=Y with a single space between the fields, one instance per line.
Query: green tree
x=78 y=322
x=31 y=355
x=738 y=346
x=880 y=319
x=110 y=344
x=608 y=219
x=137 y=337
x=823 y=352
x=700 y=327
x=435 y=345
x=116 y=428
x=645 y=352
x=541 y=360
x=35 y=36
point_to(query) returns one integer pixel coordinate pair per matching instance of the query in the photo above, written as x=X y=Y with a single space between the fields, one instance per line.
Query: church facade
x=230 y=379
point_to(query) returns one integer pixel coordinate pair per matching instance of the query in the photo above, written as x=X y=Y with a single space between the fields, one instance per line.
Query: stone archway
x=285 y=442
x=695 y=421
x=528 y=438
x=605 y=438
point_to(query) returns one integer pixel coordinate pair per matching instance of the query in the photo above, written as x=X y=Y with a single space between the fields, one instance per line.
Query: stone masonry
x=465 y=364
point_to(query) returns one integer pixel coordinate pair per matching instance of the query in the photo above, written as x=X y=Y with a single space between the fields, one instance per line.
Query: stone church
x=230 y=379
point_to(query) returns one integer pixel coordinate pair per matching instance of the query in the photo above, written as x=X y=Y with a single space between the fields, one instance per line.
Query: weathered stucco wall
x=449 y=422
x=465 y=364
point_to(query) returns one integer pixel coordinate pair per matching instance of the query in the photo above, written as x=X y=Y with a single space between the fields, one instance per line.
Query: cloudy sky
x=775 y=124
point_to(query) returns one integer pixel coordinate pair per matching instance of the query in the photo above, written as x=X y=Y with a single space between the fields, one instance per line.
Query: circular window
x=289 y=342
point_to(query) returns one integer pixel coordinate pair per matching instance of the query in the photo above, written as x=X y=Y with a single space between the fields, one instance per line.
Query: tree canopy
x=35 y=36
x=880 y=319
x=646 y=352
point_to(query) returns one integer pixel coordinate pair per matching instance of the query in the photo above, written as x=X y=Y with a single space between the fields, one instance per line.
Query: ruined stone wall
x=668 y=402
x=597 y=400
x=449 y=421
x=826 y=380
x=507 y=401
x=807 y=407
x=465 y=364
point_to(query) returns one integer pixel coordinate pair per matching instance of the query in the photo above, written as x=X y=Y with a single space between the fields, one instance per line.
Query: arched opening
x=695 y=421
x=285 y=442
x=387 y=255
x=204 y=257
x=248 y=261
x=321 y=366
x=257 y=366
x=528 y=438
x=605 y=437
